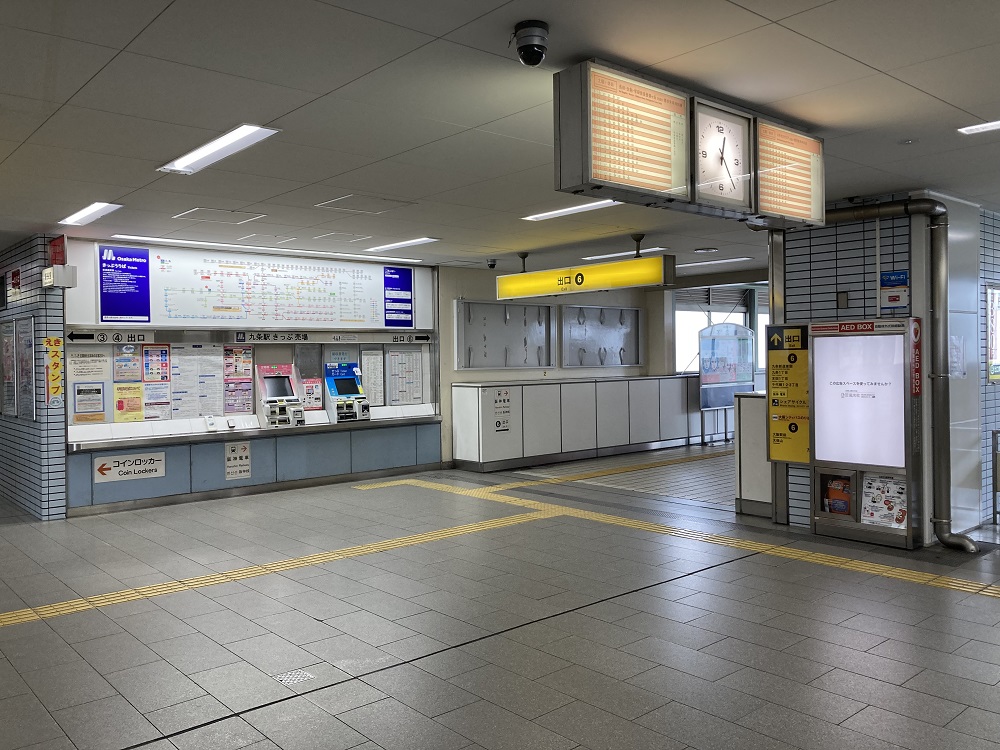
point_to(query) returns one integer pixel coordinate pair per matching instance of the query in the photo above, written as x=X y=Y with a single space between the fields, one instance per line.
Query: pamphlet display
x=884 y=500
x=837 y=493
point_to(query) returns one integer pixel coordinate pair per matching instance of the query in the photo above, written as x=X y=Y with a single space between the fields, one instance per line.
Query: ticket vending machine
x=345 y=398
x=279 y=396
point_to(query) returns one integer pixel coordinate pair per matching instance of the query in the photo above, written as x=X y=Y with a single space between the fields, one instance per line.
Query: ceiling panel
x=112 y=23
x=435 y=17
x=534 y=124
x=168 y=204
x=964 y=79
x=118 y=135
x=892 y=33
x=888 y=143
x=526 y=190
x=298 y=36
x=244 y=187
x=778 y=9
x=20 y=117
x=780 y=64
x=180 y=94
x=480 y=153
x=290 y=161
x=84 y=166
x=50 y=68
x=356 y=128
x=633 y=32
x=292 y=216
x=453 y=83
x=411 y=181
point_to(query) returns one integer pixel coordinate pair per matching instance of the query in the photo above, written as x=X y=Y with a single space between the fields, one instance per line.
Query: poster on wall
x=88 y=403
x=128 y=402
x=237 y=375
x=156 y=363
x=883 y=500
x=859 y=400
x=398 y=289
x=9 y=370
x=155 y=402
x=373 y=376
x=89 y=375
x=405 y=377
x=127 y=363
x=54 y=394
x=24 y=353
x=993 y=333
x=123 y=277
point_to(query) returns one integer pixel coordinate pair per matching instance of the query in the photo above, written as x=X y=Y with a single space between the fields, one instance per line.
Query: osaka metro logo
x=109 y=254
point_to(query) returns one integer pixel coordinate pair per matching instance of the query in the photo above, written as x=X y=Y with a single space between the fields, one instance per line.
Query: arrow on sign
x=74 y=336
x=776 y=340
x=103 y=469
x=421 y=338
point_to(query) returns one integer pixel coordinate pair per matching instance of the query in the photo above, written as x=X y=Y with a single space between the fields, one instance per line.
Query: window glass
x=763 y=321
x=687 y=323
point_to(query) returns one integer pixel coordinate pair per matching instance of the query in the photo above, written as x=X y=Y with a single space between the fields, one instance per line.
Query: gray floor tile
x=978 y=723
x=442 y=628
x=106 y=724
x=780 y=663
x=704 y=731
x=241 y=686
x=25 y=722
x=153 y=686
x=338 y=586
x=813 y=734
x=351 y=655
x=319 y=605
x=44 y=650
x=11 y=683
x=822 y=631
x=611 y=662
x=226 y=626
x=300 y=725
x=113 y=653
x=230 y=734
x=453 y=605
x=699 y=663
x=584 y=723
x=516 y=657
x=511 y=691
x=900 y=700
x=739 y=610
x=536 y=634
x=690 y=635
x=370 y=628
x=592 y=629
x=345 y=697
x=399 y=585
x=271 y=654
x=929 y=658
x=450 y=663
x=394 y=726
x=150 y=627
x=252 y=604
x=84 y=626
x=909 y=733
x=297 y=627
x=182 y=716
x=905 y=633
x=619 y=698
x=185 y=604
x=414 y=647
x=609 y=611
x=794 y=695
x=68 y=685
x=385 y=605
x=497 y=729
x=668 y=608
x=859 y=662
x=193 y=653
x=880 y=610
x=276 y=586
x=420 y=690
x=705 y=695
x=956 y=689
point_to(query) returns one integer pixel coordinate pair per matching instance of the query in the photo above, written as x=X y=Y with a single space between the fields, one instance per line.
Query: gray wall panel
x=428 y=443
x=309 y=456
x=390 y=448
x=208 y=466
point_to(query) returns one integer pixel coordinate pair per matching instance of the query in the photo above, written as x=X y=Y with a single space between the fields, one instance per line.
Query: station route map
x=261 y=291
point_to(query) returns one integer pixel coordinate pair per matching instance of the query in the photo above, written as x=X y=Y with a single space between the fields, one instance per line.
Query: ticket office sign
x=788 y=393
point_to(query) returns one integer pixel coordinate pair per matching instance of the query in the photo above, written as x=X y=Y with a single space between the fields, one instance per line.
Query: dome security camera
x=491 y=263
x=532 y=39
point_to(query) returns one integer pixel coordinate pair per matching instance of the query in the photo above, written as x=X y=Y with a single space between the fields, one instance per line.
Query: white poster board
x=859 y=400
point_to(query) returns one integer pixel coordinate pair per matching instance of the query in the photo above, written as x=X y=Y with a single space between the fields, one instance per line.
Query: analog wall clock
x=723 y=157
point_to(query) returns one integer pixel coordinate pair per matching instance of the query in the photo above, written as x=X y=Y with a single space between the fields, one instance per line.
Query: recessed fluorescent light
x=256 y=248
x=622 y=255
x=570 y=210
x=706 y=250
x=357 y=237
x=712 y=262
x=980 y=128
x=225 y=145
x=404 y=243
x=90 y=213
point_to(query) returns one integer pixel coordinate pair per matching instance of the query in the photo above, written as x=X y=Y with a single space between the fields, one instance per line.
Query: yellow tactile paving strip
x=538 y=510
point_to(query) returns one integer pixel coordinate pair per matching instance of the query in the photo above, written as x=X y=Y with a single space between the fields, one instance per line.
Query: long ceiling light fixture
x=256 y=248
x=712 y=262
x=225 y=145
x=571 y=210
x=91 y=213
x=980 y=128
x=404 y=243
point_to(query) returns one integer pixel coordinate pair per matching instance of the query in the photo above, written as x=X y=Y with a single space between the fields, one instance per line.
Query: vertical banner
x=398 y=294
x=788 y=393
x=24 y=352
x=124 y=284
x=54 y=395
x=993 y=333
x=9 y=370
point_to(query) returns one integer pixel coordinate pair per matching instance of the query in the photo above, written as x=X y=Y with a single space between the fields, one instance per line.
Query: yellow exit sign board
x=788 y=393
x=621 y=274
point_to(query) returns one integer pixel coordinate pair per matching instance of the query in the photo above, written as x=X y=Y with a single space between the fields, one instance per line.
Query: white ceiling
x=423 y=104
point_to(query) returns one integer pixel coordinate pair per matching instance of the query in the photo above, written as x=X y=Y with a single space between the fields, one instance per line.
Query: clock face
x=721 y=155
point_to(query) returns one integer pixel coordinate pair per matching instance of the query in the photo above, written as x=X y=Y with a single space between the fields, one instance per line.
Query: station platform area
x=612 y=603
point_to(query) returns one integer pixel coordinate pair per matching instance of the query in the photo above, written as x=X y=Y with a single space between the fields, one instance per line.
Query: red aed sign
x=57 y=251
x=916 y=361
x=15 y=278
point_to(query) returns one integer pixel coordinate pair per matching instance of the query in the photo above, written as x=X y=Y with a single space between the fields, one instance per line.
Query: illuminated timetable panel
x=790 y=169
x=638 y=134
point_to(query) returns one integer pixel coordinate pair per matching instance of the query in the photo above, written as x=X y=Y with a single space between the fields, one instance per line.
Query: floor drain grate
x=294 y=677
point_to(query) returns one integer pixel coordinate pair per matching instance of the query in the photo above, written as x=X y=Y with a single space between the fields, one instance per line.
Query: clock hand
x=729 y=173
x=722 y=150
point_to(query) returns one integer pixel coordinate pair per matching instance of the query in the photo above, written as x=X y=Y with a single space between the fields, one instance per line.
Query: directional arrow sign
x=776 y=340
x=103 y=469
x=120 y=467
x=74 y=336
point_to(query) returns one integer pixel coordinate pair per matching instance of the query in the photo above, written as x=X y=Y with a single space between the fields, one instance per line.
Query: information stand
x=725 y=367
x=865 y=386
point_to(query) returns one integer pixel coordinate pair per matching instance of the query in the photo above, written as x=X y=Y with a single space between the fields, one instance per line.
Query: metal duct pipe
x=940 y=370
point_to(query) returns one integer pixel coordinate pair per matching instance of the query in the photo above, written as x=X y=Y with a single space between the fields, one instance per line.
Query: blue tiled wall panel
x=428 y=443
x=176 y=481
x=79 y=473
x=208 y=466
x=308 y=456
x=387 y=448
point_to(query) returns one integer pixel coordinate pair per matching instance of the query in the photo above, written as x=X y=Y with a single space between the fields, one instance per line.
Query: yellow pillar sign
x=788 y=393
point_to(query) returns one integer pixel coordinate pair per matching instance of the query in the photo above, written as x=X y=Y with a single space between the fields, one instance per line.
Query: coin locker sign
x=788 y=393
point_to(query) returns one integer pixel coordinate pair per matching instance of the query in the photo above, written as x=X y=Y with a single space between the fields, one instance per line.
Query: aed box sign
x=788 y=393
